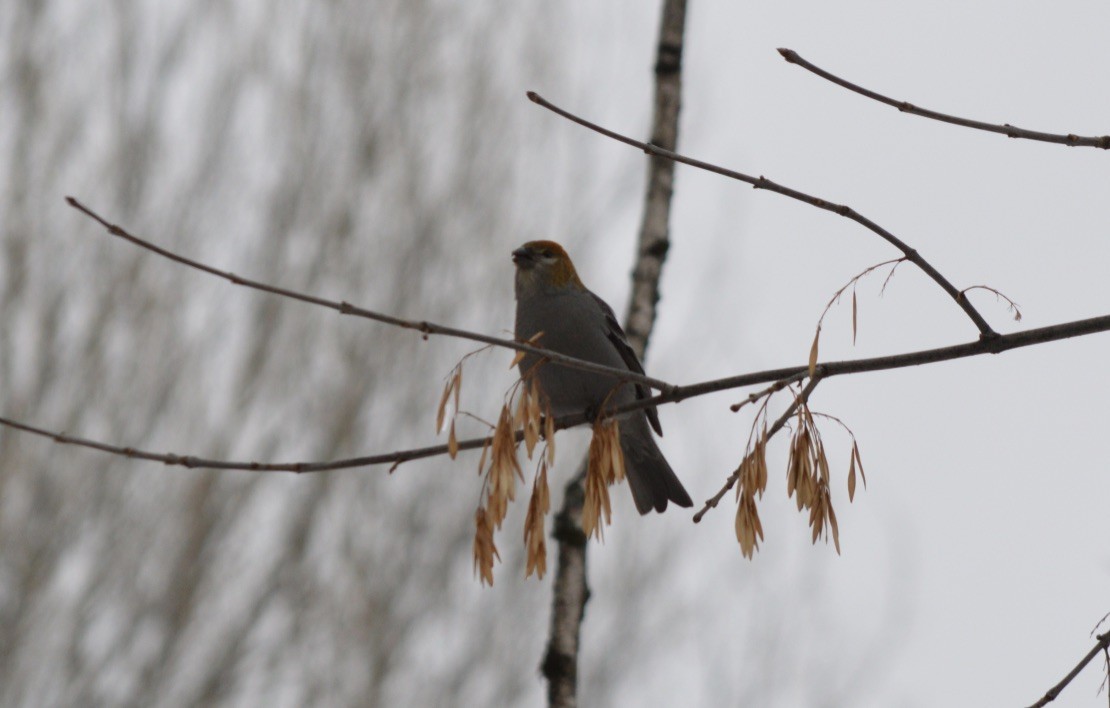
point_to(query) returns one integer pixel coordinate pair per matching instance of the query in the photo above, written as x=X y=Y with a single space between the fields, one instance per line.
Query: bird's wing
x=616 y=335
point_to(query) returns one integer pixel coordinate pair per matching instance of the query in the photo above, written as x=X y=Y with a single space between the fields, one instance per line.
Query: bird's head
x=544 y=266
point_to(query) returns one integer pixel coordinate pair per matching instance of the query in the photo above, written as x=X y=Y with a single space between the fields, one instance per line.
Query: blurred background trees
x=362 y=150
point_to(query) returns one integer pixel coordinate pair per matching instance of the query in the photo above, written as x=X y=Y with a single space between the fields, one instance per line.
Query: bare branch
x=1006 y=129
x=1001 y=343
x=673 y=394
x=193 y=462
x=773 y=388
x=346 y=308
x=910 y=254
x=1101 y=646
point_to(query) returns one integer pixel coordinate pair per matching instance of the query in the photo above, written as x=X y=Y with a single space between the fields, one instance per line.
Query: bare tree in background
x=363 y=150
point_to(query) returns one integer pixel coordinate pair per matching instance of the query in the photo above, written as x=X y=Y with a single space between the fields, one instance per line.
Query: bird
x=569 y=319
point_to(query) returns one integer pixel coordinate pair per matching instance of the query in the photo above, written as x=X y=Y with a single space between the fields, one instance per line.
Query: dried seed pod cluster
x=605 y=467
x=523 y=418
x=807 y=471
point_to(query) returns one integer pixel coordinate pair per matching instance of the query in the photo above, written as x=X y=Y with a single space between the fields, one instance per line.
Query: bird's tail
x=650 y=477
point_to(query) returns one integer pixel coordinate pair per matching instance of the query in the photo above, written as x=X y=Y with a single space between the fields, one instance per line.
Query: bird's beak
x=522 y=257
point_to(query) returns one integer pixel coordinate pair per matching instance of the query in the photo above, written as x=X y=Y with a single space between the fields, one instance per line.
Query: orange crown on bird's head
x=549 y=259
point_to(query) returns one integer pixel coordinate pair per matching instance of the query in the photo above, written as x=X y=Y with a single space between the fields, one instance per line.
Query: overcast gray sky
x=977 y=562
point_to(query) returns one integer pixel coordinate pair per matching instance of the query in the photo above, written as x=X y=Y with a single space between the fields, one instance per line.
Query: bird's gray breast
x=575 y=326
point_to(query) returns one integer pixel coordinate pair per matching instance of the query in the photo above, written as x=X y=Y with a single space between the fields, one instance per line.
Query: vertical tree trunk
x=571 y=590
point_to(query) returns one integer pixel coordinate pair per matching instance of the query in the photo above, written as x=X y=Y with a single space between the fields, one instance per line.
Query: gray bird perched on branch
x=552 y=302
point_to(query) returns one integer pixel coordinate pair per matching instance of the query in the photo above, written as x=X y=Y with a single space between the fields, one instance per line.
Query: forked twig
x=773 y=388
x=1010 y=304
x=1102 y=645
x=853 y=284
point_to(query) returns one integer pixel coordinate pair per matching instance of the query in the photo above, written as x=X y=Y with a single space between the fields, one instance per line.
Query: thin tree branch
x=193 y=462
x=773 y=388
x=911 y=254
x=1006 y=129
x=1001 y=343
x=778 y=425
x=674 y=394
x=1101 y=646
x=346 y=308
x=570 y=589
